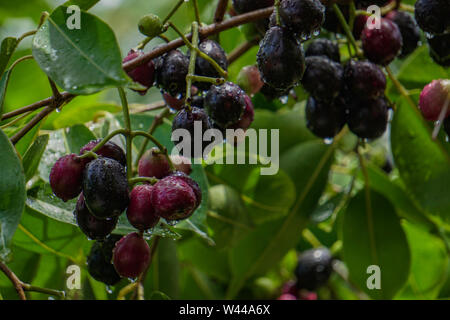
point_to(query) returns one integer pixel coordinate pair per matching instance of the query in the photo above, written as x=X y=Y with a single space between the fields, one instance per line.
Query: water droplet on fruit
x=328 y=140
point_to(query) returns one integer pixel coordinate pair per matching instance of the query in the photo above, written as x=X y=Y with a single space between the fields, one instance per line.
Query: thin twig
x=15 y=281
x=221 y=9
x=241 y=50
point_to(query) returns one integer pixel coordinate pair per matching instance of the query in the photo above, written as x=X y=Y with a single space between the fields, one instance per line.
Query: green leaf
x=93 y=49
x=308 y=164
x=158 y=295
x=429 y=261
x=424 y=164
x=12 y=193
x=83 y=4
x=3 y=86
x=33 y=156
x=77 y=137
x=372 y=235
x=7 y=49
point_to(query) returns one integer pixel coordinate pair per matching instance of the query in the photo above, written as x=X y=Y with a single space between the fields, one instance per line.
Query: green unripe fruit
x=150 y=25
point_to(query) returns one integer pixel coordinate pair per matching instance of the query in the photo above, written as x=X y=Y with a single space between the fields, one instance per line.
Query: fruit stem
x=14 y=279
x=346 y=28
x=52 y=292
x=127 y=133
x=193 y=58
x=200 y=53
x=277 y=12
x=197 y=12
x=216 y=81
x=156 y=122
x=103 y=142
x=172 y=12
x=406 y=7
x=400 y=88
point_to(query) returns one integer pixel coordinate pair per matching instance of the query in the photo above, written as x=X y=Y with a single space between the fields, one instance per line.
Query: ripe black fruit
x=368 y=119
x=324 y=47
x=439 y=46
x=105 y=188
x=272 y=93
x=280 y=58
x=313 y=269
x=382 y=45
x=409 y=30
x=171 y=71
x=433 y=15
x=109 y=150
x=66 y=177
x=91 y=226
x=186 y=119
x=322 y=78
x=204 y=68
x=325 y=119
x=99 y=261
x=364 y=79
x=302 y=17
x=225 y=103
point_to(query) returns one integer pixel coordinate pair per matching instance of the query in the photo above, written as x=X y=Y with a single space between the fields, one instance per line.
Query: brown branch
x=221 y=9
x=207 y=31
x=241 y=50
x=15 y=281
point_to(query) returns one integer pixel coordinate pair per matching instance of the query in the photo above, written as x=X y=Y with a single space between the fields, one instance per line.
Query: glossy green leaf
x=424 y=164
x=83 y=4
x=372 y=235
x=76 y=137
x=33 y=156
x=92 y=48
x=308 y=164
x=7 y=49
x=429 y=261
x=12 y=193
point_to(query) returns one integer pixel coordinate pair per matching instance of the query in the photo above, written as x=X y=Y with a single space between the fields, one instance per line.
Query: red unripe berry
x=433 y=98
x=140 y=212
x=66 y=177
x=131 y=255
x=249 y=79
x=287 y=296
x=154 y=164
x=143 y=74
x=173 y=198
x=109 y=150
x=382 y=45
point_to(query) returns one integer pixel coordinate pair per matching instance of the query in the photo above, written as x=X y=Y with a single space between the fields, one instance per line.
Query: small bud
x=150 y=25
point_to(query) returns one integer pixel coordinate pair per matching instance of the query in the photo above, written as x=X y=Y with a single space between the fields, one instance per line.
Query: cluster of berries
x=222 y=107
x=313 y=270
x=100 y=182
x=352 y=94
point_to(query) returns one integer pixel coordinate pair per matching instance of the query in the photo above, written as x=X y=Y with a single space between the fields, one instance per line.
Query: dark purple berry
x=280 y=58
x=325 y=119
x=314 y=268
x=99 y=261
x=439 y=46
x=171 y=71
x=189 y=120
x=382 y=45
x=66 y=177
x=359 y=25
x=91 y=226
x=324 y=47
x=105 y=188
x=173 y=198
x=331 y=22
x=109 y=150
x=322 y=78
x=303 y=17
x=225 y=103
x=131 y=255
x=154 y=164
x=409 y=30
x=272 y=93
x=173 y=103
x=204 y=68
x=247 y=118
x=141 y=213
x=368 y=119
x=364 y=79
x=433 y=15
x=143 y=74
x=191 y=182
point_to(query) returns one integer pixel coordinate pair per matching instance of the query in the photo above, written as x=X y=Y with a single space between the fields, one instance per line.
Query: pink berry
x=140 y=212
x=143 y=74
x=249 y=79
x=287 y=296
x=154 y=164
x=131 y=255
x=433 y=98
x=66 y=177
x=173 y=198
